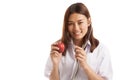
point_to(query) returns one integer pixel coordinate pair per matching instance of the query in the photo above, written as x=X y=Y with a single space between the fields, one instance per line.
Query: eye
x=69 y=23
x=80 y=23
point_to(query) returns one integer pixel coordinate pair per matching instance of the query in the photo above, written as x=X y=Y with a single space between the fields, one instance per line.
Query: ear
x=89 y=21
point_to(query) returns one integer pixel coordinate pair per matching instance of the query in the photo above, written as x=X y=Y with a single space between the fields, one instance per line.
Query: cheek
x=85 y=25
x=85 y=29
x=70 y=28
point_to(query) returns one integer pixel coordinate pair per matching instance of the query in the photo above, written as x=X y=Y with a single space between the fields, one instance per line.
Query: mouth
x=77 y=33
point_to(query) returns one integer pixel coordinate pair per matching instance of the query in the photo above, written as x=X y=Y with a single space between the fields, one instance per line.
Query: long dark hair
x=81 y=9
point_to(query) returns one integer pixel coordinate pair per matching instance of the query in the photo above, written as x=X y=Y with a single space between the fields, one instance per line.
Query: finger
x=53 y=54
x=80 y=59
x=54 y=48
x=79 y=55
x=56 y=54
x=78 y=51
x=77 y=47
x=54 y=51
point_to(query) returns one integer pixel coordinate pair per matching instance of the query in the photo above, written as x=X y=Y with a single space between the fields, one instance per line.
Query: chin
x=77 y=38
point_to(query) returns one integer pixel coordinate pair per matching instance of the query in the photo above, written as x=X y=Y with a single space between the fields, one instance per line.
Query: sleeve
x=105 y=68
x=48 y=68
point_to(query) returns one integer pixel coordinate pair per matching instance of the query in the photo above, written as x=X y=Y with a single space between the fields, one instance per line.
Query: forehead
x=76 y=16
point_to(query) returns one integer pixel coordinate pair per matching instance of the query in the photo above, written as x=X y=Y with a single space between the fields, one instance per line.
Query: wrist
x=55 y=65
x=85 y=66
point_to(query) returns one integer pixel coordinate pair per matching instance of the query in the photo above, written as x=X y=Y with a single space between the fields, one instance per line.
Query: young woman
x=84 y=57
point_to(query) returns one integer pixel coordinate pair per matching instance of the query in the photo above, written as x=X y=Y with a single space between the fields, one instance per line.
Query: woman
x=84 y=58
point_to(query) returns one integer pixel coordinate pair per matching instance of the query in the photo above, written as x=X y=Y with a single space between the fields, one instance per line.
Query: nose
x=76 y=26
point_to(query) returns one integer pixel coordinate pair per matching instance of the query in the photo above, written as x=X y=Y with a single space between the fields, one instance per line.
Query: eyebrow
x=77 y=20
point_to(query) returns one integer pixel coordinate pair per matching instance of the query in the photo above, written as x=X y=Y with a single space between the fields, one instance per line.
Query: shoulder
x=102 y=49
x=101 y=46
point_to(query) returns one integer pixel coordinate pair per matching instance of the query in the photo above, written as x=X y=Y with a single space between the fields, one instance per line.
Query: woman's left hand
x=80 y=55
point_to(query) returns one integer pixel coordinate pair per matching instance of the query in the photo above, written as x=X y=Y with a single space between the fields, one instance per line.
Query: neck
x=77 y=42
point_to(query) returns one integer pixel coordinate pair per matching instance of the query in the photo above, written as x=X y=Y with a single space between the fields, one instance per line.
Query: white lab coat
x=99 y=61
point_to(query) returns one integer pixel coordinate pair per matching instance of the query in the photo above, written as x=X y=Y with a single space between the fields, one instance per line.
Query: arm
x=55 y=73
x=91 y=74
x=55 y=57
x=81 y=56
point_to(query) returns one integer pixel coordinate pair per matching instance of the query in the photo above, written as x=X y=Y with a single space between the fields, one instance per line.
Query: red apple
x=61 y=47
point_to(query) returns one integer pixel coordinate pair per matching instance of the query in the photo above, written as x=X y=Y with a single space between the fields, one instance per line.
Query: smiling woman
x=78 y=25
x=84 y=57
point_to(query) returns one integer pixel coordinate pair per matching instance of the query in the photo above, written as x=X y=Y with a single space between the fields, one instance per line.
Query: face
x=78 y=26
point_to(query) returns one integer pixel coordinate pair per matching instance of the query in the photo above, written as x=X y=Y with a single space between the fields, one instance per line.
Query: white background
x=28 y=27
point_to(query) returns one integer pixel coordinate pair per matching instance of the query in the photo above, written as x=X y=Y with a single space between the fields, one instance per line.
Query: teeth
x=76 y=32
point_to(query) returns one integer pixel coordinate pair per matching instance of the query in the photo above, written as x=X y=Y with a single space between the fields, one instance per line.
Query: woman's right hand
x=55 y=55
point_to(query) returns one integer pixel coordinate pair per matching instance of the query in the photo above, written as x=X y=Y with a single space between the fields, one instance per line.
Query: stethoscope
x=73 y=77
